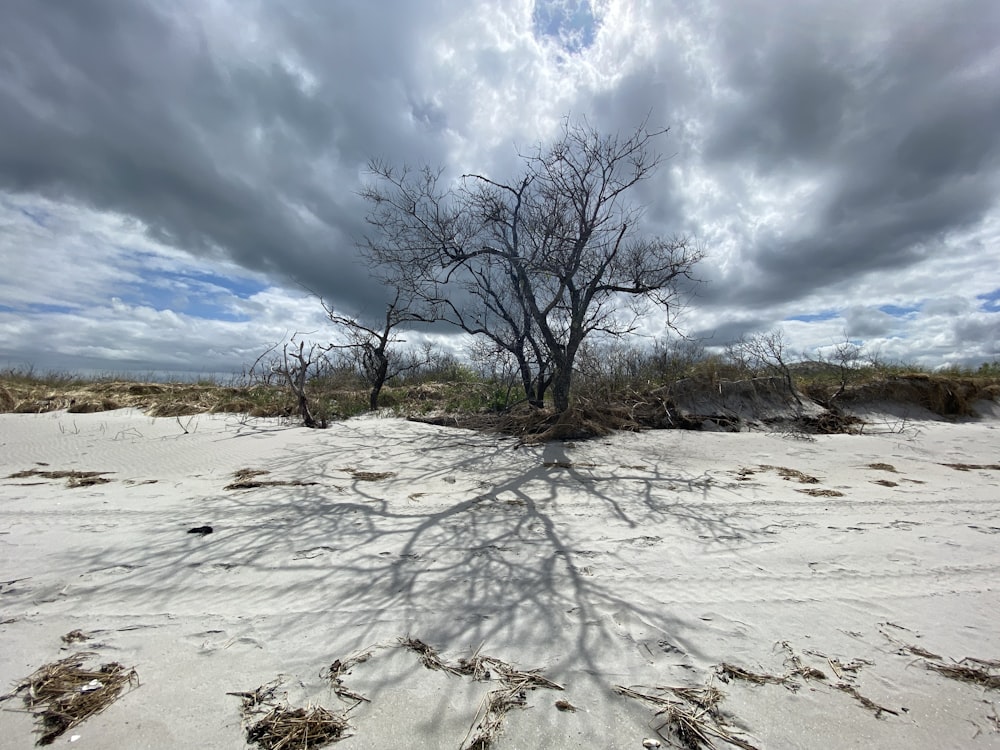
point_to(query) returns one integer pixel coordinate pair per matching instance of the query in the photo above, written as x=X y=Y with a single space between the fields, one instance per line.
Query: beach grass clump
x=65 y=693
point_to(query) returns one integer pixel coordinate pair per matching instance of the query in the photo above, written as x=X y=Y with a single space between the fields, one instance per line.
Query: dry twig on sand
x=338 y=669
x=798 y=667
x=692 y=713
x=67 y=693
x=866 y=702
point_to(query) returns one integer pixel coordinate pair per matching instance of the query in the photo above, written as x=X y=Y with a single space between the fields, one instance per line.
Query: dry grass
x=690 y=713
x=338 y=669
x=789 y=474
x=285 y=728
x=973 y=467
x=243 y=479
x=964 y=673
x=369 y=476
x=731 y=671
x=512 y=693
x=866 y=702
x=73 y=478
x=817 y=492
x=65 y=693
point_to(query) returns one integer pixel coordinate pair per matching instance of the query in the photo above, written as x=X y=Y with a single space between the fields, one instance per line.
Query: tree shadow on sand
x=474 y=540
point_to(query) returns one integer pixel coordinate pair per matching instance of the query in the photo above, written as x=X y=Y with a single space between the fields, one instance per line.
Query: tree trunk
x=307 y=417
x=560 y=388
x=378 y=381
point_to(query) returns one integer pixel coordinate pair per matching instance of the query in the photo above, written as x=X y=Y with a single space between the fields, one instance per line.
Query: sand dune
x=641 y=560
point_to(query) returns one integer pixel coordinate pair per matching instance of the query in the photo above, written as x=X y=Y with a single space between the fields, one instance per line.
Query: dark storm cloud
x=903 y=134
x=127 y=108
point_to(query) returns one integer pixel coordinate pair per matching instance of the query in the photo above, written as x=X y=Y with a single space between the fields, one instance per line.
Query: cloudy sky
x=175 y=175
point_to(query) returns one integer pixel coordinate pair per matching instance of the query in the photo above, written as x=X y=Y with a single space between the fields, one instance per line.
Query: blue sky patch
x=815 y=317
x=991 y=301
x=40 y=309
x=571 y=22
x=898 y=312
x=199 y=294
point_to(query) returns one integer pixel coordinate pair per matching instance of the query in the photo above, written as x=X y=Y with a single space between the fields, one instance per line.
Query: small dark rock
x=202 y=530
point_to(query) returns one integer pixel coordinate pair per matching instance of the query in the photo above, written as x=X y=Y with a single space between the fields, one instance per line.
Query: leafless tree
x=765 y=353
x=294 y=366
x=538 y=263
x=374 y=348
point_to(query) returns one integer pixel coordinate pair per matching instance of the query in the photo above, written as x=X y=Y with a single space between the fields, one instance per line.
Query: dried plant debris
x=973 y=467
x=285 y=728
x=983 y=672
x=565 y=706
x=885 y=482
x=429 y=656
x=336 y=672
x=75 y=636
x=246 y=479
x=866 y=702
x=369 y=476
x=790 y=474
x=816 y=492
x=65 y=693
x=883 y=467
x=73 y=478
x=976 y=675
x=512 y=693
x=727 y=671
x=797 y=666
x=691 y=714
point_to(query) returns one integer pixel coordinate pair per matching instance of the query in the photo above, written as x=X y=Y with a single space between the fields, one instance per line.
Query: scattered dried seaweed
x=494 y=709
x=369 y=476
x=691 y=713
x=789 y=474
x=429 y=656
x=73 y=478
x=285 y=728
x=798 y=667
x=965 y=673
x=339 y=669
x=565 y=706
x=885 y=482
x=512 y=693
x=253 y=699
x=68 y=693
x=726 y=670
x=971 y=467
x=866 y=702
x=816 y=492
x=906 y=648
x=244 y=480
x=74 y=636
x=883 y=467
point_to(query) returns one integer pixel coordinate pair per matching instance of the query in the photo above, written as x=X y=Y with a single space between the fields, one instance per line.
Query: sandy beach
x=848 y=568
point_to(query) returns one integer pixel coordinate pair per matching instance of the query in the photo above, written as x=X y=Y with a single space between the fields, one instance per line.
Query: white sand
x=647 y=562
